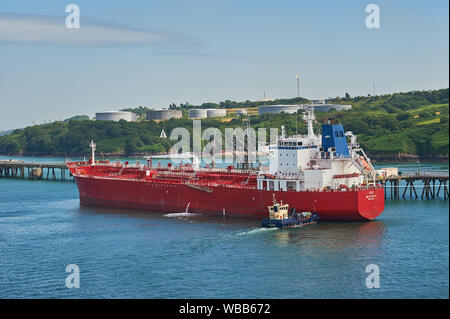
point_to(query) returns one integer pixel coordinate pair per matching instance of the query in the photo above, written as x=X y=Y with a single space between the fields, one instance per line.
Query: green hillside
x=400 y=124
x=393 y=126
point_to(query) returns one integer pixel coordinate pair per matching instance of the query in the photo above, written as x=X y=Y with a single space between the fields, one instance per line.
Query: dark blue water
x=134 y=254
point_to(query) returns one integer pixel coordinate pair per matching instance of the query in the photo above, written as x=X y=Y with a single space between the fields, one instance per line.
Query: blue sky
x=154 y=53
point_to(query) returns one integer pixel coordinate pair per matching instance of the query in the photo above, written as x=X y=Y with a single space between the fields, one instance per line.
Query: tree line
x=388 y=126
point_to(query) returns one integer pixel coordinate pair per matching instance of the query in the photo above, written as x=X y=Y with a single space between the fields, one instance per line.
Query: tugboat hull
x=289 y=222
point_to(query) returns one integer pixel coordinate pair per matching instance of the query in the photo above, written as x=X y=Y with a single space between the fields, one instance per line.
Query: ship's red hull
x=361 y=204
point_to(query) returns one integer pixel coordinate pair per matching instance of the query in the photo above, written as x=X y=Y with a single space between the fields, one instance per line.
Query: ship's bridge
x=293 y=154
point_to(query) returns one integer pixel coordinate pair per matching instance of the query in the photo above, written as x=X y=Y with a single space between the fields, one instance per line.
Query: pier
x=34 y=171
x=426 y=184
x=433 y=184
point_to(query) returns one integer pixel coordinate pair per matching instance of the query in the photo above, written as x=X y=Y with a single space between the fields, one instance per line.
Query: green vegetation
x=399 y=124
x=6 y=132
x=139 y=111
x=388 y=126
x=73 y=137
x=77 y=118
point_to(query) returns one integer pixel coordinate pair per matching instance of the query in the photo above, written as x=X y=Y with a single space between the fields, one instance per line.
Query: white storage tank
x=216 y=112
x=276 y=109
x=164 y=114
x=198 y=113
x=115 y=116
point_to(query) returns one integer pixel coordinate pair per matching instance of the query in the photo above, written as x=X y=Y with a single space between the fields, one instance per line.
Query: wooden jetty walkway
x=34 y=171
x=429 y=183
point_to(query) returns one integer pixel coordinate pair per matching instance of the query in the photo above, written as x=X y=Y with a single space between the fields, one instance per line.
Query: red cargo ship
x=316 y=173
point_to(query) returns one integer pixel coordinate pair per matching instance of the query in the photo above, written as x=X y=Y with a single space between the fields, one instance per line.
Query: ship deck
x=184 y=174
x=174 y=175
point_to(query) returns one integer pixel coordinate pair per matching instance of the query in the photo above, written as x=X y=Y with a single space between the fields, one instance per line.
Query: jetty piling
x=34 y=171
x=429 y=179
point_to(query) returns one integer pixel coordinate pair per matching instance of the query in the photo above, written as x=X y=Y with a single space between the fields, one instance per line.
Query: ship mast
x=246 y=136
x=92 y=145
x=213 y=152
x=309 y=118
x=246 y=141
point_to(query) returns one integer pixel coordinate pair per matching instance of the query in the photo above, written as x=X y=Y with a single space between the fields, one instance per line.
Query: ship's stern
x=371 y=202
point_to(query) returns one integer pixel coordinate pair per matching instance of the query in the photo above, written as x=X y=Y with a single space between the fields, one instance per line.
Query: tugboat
x=279 y=217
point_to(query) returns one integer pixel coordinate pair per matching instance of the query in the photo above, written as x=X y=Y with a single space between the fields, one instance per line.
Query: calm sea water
x=135 y=254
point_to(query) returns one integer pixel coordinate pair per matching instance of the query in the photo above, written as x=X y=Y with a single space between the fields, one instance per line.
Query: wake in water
x=256 y=231
x=181 y=215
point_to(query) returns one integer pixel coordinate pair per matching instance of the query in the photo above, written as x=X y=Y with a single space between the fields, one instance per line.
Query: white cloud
x=22 y=28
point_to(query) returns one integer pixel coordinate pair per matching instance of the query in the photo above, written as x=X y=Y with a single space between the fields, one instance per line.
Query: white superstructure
x=316 y=162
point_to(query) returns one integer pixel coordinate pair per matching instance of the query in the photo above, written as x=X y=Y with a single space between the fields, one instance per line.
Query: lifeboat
x=365 y=164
